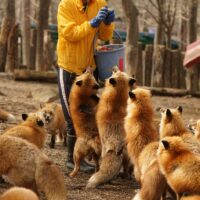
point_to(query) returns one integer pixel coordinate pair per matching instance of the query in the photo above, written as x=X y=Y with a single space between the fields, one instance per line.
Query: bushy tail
x=5 y=116
x=49 y=179
x=109 y=168
x=154 y=184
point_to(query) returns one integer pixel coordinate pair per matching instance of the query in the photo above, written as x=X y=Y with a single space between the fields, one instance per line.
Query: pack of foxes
x=115 y=128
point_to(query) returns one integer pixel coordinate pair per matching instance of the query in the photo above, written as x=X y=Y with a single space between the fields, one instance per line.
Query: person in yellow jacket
x=79 y=21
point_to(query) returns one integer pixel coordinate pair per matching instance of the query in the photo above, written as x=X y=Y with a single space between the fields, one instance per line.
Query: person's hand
x=101 y=16
x=110 y=17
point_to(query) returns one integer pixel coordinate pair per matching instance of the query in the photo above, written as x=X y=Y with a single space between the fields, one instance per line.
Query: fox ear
x=132 y=95
x=132 y=81
x=79 y=83
x=40 y=123
x=24 y=116
x=180 y=109
x=169 y=114
x=165 y=144
x=112 y=81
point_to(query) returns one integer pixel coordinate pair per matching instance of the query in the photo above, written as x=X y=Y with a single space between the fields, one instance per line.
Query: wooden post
x=175 y=56
x=33 y=49
x=148 y=55
x=182 y=73
x=12 y=53
x=47 y=50
x=167 y=68
x=158 y=64
x=139 y=71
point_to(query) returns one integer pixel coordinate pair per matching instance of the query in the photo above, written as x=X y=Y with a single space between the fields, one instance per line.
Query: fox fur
x=172 y=124
x=197 y=130
x=195 y=197
x=32 y=130
x=142 y=145
x=18 y=193
x=24 y=165
x=5 y=116
x=180 y=165
x=110 y=121
x=83 y=102
x=54 y=121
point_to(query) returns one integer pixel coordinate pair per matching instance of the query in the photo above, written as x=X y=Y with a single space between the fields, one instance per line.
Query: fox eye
x=51 y=113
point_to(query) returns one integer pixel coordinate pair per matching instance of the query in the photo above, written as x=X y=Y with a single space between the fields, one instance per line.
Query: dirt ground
x=18 y=98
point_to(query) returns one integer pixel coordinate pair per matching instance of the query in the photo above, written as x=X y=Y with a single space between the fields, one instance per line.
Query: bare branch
x=174 y=14
x=153 y=4
x=152 y=15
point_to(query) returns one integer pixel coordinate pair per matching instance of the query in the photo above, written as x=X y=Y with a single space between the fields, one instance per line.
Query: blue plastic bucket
x=107 y=59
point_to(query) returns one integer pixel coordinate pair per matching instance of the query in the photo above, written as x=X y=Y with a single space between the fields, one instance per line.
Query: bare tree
x=183 y=19
x=165 y=18
x=26 y=32
x=131 y=13
x=42 y=24
x=12 y=53
x=7 y=24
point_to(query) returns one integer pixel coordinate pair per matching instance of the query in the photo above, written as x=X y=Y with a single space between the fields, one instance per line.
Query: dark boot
x=85 y=167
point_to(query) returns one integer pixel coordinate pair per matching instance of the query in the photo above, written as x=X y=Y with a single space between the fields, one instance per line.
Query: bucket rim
x=109 y=51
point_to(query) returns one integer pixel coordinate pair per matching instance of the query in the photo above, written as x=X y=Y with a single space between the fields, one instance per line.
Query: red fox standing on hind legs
x=83 y=102
x=110 y=121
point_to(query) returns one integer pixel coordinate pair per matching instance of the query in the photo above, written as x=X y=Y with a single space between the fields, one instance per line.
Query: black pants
x=65 y=81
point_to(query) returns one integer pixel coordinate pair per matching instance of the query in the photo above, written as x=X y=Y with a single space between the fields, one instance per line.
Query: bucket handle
x=96 y=36
x=118 y=35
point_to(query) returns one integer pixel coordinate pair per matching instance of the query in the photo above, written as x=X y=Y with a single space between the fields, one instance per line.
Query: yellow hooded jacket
x=75 y=48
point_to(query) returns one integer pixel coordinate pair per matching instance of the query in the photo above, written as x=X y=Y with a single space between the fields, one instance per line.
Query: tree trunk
x=168 y=43
x=131 y=13
x=47 y=51
x=148 y=64
x=12 y=53
x=182 y=34
x=192 y=78
x=7 y=24
x=158 y=66
x=26 y=32
x=33 y=49
x=42 y=23
x=159 y=36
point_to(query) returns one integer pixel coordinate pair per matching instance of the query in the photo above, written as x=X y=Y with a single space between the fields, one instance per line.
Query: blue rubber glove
x=101 y=16
x=110 y=17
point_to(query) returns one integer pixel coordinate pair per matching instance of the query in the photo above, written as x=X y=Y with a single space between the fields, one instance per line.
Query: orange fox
x=17 y=193
x=110 y=121
x=180 y=165
x=83 y=102
x=172 y=124
x=191 y=198
x=142 y=144
x=32 y=129
x=24 y=165
x=54 y=121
